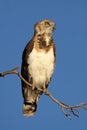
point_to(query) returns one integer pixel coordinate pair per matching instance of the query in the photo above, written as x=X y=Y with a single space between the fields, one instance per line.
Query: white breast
x=41 y=66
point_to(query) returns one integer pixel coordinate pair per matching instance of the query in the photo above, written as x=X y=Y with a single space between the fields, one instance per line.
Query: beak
x=54 y=26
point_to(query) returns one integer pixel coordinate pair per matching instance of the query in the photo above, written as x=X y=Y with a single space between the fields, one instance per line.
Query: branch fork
x=65 y=107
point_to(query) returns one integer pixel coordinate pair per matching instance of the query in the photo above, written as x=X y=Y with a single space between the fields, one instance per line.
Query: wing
x=24 y=67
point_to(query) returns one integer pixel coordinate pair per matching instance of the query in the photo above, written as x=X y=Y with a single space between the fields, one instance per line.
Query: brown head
x=44 y=26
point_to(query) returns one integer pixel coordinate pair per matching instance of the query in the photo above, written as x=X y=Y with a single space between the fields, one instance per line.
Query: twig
x=14 y=71
x=72 y=109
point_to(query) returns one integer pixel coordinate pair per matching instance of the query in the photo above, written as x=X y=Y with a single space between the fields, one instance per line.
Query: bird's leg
x=41 y=89
x=44 y=88
x=33 y=85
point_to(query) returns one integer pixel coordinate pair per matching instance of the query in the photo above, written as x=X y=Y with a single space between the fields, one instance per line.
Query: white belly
x=41 y=66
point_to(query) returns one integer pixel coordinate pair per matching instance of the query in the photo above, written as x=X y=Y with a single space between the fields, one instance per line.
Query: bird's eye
x=47 y=24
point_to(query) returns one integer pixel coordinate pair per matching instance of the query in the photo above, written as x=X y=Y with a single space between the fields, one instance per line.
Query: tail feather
x=29 y=109
x=31 y=98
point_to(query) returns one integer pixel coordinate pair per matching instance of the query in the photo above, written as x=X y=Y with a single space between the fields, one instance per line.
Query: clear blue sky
x=69 y=82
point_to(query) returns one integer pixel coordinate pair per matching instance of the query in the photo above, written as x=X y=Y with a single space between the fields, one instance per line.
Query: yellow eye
x=47 y=24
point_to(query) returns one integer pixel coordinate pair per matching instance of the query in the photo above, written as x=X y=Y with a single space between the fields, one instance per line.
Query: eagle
x=38 y=63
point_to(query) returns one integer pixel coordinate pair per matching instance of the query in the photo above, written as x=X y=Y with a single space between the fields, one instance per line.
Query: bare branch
x=72 y=109
x=14 y=71
x=65 y=107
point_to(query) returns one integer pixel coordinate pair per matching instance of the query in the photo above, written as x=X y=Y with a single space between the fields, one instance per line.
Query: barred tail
x=31 y=98
x=29 y=109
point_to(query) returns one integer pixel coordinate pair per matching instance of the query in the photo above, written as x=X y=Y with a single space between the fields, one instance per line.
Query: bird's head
x=44 y=26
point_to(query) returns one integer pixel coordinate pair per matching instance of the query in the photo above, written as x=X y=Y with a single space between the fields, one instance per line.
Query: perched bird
x=38 y=62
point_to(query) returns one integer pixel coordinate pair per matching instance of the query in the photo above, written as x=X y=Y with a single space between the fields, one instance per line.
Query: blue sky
x=69 y=82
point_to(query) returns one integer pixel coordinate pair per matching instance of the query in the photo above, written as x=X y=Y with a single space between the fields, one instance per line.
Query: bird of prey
x=38 y=62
